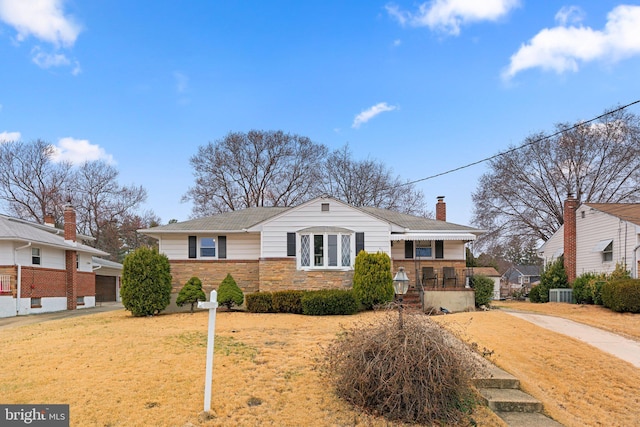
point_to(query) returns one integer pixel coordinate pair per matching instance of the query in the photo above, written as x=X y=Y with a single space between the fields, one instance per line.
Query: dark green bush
x=229 y=294
x=191 y=293
x=622 y=295
x=146 y=282
x=260 y=302
x=587 y=288
x=329 y=302
x=287 y=301
x=418 y=375
x=483 y=289
x=553 y=277
x=372 y=279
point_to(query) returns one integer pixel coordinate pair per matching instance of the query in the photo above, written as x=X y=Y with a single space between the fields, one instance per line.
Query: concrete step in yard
x=501 y=393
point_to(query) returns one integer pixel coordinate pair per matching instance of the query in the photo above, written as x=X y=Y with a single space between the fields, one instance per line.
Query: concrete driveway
x=621 y=347
x=16 y=321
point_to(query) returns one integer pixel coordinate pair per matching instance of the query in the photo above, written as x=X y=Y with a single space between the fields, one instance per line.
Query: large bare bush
x=420 y=373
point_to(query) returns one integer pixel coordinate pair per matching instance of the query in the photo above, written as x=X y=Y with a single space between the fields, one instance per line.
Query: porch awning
x=434 y=236
x=602 y=245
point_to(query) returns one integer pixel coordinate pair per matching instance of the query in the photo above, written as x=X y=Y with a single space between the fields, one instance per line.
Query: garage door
x=105 y=288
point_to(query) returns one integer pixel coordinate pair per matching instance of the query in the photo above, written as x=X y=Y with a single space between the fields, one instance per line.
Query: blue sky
x=423 y=87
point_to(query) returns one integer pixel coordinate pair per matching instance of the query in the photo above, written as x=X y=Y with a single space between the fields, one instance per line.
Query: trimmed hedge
x=287 y=301
x=260 y=302
x=329 y=302
x=622 y=295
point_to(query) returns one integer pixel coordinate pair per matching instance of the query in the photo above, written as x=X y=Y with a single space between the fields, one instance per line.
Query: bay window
x=329 y=249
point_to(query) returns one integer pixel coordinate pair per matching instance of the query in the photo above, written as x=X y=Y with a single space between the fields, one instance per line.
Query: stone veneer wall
x=281 y=274
x=213 y=272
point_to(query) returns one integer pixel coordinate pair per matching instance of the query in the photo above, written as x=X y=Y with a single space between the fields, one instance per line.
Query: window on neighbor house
x=36 y=302
x=207 y=247
x=80 y=300
x=423 y=249
x=607 y=253
x=35 y=256
x=326 y=250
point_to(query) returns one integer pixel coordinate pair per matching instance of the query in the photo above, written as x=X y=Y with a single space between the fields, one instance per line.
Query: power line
x=536 y=141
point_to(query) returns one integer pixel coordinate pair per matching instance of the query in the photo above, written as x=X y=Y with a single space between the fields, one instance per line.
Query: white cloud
x=449 y=15
x=78 y=151
x=570 y=15
x=48 y=60
x=563 y=48
x=9 y=136
x=370 y=113
x=43 y=19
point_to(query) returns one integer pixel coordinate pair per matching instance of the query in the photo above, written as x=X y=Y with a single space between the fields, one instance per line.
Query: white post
x=212 y=304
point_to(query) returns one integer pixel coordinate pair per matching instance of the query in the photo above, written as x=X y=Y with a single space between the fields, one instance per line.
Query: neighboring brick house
x=43 y=268
x=310 y=246
x=595 y=237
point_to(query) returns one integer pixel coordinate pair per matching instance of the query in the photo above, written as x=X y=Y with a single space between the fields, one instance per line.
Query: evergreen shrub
x=191 y=293
x=329 y=302
x=146 y=282
x=372 y=279
x=553 y=277
x=260 y=302
x=287 y=301
x=622 y=295
x=483 y=289
x=229 y=294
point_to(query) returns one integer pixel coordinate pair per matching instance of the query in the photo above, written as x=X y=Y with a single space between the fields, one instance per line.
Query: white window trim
x=199 y=247
x=39 y=256
x=325 y=254
x=422 y=244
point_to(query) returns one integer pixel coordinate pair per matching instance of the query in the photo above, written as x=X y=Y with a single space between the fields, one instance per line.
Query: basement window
x=79 y=300
x=36 y=302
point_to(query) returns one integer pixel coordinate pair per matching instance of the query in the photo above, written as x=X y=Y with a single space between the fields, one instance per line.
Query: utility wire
x=520 y=146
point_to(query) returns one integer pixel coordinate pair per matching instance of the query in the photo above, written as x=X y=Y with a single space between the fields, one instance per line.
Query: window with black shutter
x=193 y=247
x=291 y=244
x=359 y=242
x=408 y=249
x=222 y=247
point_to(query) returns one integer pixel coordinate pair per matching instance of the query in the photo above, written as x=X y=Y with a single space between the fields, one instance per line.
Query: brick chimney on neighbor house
x=71 y=256
x=441 y=209
x=49 y=220
x=570 y=207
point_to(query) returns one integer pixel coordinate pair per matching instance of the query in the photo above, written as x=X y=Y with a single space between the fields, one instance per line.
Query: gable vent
x=325 y=207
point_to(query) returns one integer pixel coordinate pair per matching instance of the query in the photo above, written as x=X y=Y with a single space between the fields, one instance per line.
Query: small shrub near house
x=287 y=301
x=415 y=375
x=587 y=288
x=553 y=277
x=372 y=279
x=260 y=302
x=229 y=293
x=483 y=289
x=146 y=282
x=191 y=293
x=622 y=295
x=329 y=302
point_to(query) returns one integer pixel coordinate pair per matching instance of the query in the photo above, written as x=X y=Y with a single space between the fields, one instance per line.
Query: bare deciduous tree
x=370 y=183
x=258 y=168
x=523 y=194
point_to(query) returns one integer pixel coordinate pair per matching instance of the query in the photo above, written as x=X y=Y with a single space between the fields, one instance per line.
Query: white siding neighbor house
x=310 y=246
x=605 y=234
x=43 y=268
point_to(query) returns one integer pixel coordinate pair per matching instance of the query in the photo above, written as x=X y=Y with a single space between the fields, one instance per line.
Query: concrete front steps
x=501 y=393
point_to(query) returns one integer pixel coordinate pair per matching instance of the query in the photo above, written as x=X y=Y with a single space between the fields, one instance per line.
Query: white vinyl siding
x=274 y=232
x=240 y=246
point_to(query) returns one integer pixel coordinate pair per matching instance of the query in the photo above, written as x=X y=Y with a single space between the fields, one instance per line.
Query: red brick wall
x=570 y=206
x=71 y=277
x=43 y=282
x=441 y=209
x=279 y=274
x=213 y=272
x=10 y=270
x=86 y=284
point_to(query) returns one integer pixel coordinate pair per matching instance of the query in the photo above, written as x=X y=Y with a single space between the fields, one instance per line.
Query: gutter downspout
x=635 y=260
x=19 y=278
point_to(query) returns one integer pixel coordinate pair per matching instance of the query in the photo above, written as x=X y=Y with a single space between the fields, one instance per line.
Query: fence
x=5 y=283
x=561 y=295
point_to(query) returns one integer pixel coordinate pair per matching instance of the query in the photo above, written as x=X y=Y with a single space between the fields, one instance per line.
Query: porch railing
x=5 y=283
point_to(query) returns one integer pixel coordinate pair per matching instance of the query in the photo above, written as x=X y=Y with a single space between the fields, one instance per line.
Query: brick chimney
x=570 y=207
x=441 y=209
x=49 y=220
x=71 y=256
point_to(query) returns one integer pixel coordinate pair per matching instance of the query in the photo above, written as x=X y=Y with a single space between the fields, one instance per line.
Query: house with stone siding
x=310 y=246
x=44 y=268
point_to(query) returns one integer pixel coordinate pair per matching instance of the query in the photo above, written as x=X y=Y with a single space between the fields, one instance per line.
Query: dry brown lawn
x=117 y=370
